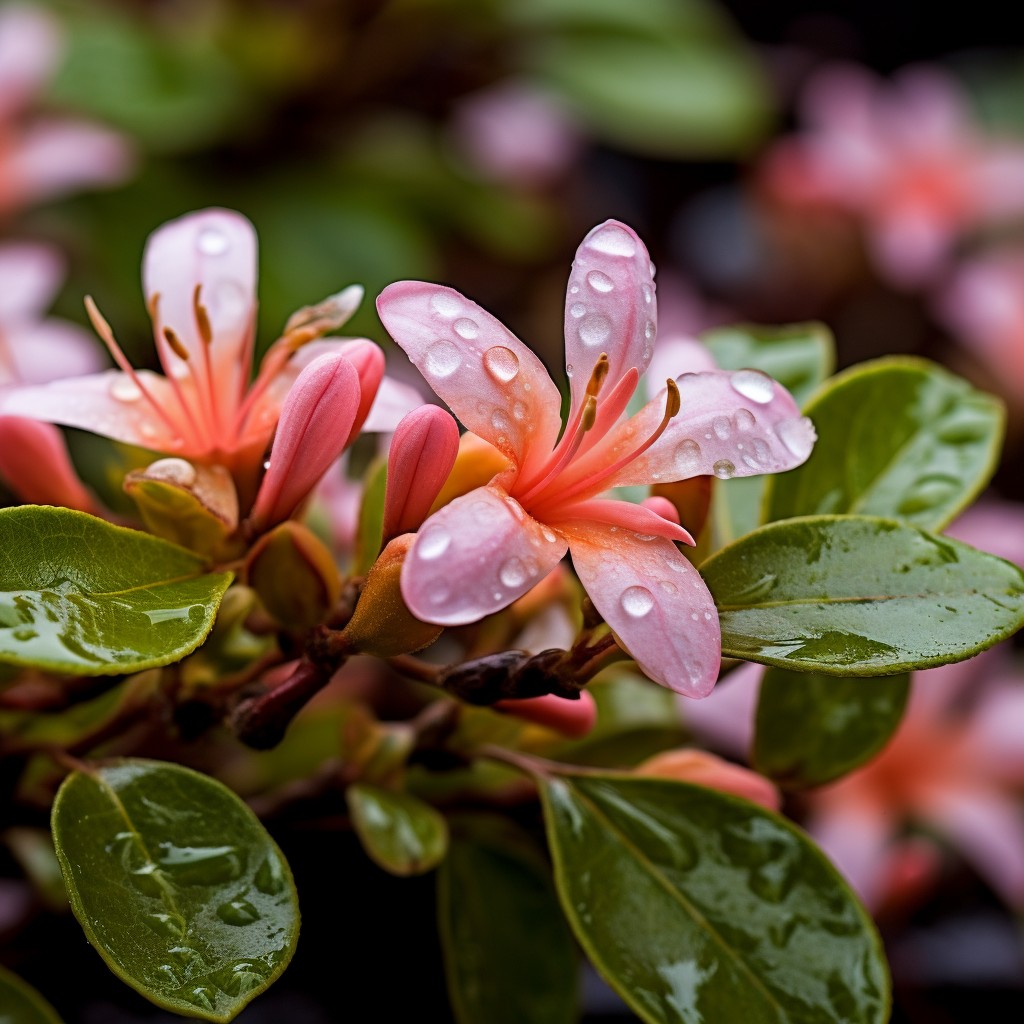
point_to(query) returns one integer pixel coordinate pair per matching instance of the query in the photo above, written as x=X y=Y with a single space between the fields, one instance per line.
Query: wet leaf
x=176 y=884
x=509 y=956
x=860 y=596
x=897 y=437
x=22 y=1004
x=78 y=595
x=814 y=728
x=401 y=833
x=697 y=906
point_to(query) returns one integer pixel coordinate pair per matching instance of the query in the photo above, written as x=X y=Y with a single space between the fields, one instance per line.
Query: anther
x=598 y=375
x=177 y=346
x=202 y=318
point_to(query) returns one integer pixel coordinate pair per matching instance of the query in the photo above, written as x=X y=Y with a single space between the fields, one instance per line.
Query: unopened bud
x=294 y=575
x=704 y=769
x=573 y=718
x=35 y=464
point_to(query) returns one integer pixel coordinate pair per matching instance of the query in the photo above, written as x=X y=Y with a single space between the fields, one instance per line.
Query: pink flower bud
x=573 y=718
x=368 y=360
x=662 y=507
x=704 y=769
x=315 y=428
x=35 y=464
x=422 y=454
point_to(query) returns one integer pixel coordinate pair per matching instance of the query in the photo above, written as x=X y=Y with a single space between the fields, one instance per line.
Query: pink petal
x=573 y=718
x=704 y=769
x=993 y=526
x=725 y=718
x=665 y=509
x=35 y=463
x=493 y=383
x=393 y=401
x=30 y=276
x=215 y=250
x=626 y=516
x=475 y=556
x=43 y=351
x=676 y=355
x=995 y=732
x=609 y=306
x=655 y=602
x=368 y=361
x=730 y=424
x=30 y=44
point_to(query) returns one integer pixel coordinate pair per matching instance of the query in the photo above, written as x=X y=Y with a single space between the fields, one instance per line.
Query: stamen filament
x=206 y=336
x=587 y=415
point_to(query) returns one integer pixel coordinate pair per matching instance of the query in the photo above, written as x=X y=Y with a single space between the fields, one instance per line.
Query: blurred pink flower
x=483 y=550
x=44 y=157
x=907 y=157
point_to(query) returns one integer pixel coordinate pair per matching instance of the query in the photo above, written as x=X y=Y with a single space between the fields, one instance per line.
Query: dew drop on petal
x=687 y=456
x=613 y=240
x=694 y=616
x=650 y=330
x=513 y=573
x=744 y=420
x=676 y=565
x=577 y=309
x=568 y=370
x=501 y=363
x=797 y=435
x=433 y=544
x=212 y=242
x=548 y=535
x=637 y=601
x=755 y=385
x=648 y=294
x=443 y=359
x=600 y=282
x=668 y=586
x=519 y=411
x=500 y=421
x=466 y=328
x=722 y=427
x=595 y=329
x=724 y=469
x=124 y=389
x=446 y=304
x=708 y=616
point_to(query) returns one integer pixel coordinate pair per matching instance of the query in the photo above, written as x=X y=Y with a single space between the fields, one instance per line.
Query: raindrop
x=612 y=239
x=212 y=242
x=443 y=359
x=668 y=586
x=201 y=996
x=676 y=565
x=650 y=330
x=548 y=535
x=722 y=428
x=637 y=601
x=238 y=912
x=124 y=389
x=755 y=385
x=600 y=282
x=694 y=616
x=269 y=877
x=761 y=450
x=446 y=304
x=688 y=456
x=568 y=369
x=466 y=328
x=577 y=309
x=519 y=410
x=500 y=421
x=797 y=435
x=648 y=294
x=171 y=926
x=433 y=544
x=724 y=469
x=594 y=330
x=501 y=363
x=744 y=420
x=513 y=573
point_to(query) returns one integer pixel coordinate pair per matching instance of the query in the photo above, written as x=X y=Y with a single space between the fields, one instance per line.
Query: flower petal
x=730 y=424
x=627 y=516
x=30 y=276
x=475 y=556
x=30 y=44
x=654 y=600
x=35 y=463
x=704 y=769
x=40 y=352
x=609 y=306
x=493 y=383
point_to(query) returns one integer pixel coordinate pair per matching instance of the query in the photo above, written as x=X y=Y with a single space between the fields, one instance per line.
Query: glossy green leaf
x=897 y=437
x=22 y=1004
x=78 y=595
x=700 y=907
x=176 y=884
x=812 y=728
x=401 y=833
x=509 y=955
x=860 y=596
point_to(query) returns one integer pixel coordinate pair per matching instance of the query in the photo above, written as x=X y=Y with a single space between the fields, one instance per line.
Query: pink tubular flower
x=907 y=157
x=199 y=276
x=484 y=549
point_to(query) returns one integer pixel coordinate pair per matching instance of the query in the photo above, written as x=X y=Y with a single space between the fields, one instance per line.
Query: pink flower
x=199 y=276
x=484 y=549
x=42 y=158
x=905 y=156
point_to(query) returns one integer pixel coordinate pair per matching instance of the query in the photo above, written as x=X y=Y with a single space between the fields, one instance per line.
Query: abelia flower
x=199 y=278
x=487 y=547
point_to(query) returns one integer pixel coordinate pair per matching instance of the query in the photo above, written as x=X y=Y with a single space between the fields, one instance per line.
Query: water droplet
x=514 y=573
x=708 y=616
x=695 y=616
x=202 y=997
x=443 y=359
x=500 y=421
x=755 y=385
x=724 y=469
x=574 y=289
x=568 y=369
x=239 y=978
x=171 y=926
x=173 y=471
x=600 y=282
x=440 y=595
x=466 y=328
x=595 y=329
x=200 y=865
x=722 y=427
x=501 y=363
x=612 y=239
x=446 y=304
x=212 y=242
x=744 y=420
x=668 y=586
x=577 y=309
x=797 y=435
x=169 y=974
x=637 y=601
x=124 y=389
x=238 y=912
x=688 y=457
x=761 y=450
x=270 y=877
x=650 y=330
x=433 y=544
x=648 y=294
x=548 y=535
x=677 y=565
x=519 y=411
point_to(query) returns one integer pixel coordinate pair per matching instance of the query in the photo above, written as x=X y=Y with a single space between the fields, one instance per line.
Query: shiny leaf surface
x=78 y=595
x=176 y=884
x=22 y=1004
x=509 y=955
x=812 y=728
x=700 y=908
x=401 y=833
x=896 y=437
x=860 y=596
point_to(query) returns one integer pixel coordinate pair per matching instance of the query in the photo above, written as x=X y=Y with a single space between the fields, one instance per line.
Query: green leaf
x=813 y=728
x=509 y=956
x=176 y=884
x=860 y=596
x=371 y=519
x=78 y=595
x=697 y=906
x=401 y=833
x=22 y=1004
x=897 y=437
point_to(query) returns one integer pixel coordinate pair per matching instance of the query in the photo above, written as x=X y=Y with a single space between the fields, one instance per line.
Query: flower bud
x=704 y=769
x=294 y=575
x=381 y=623
x=574 y=718
x=368 y=361
x=35 y=464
